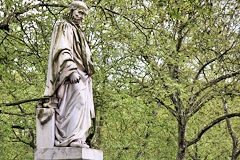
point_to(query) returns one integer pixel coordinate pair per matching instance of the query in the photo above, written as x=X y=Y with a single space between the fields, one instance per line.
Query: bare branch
x=210 y=125
x=172 y=111
x=53 y=5
x=32 y=140
x=135 y=23
x=238 y=153
x=215 y=81
x=4 y=25
x=32 y=145
x=235 y=151
x=205 y=65
x=3 y=39
x=21 y=109
x=16 y=114
x=15 y=157
x=23 y=101
x=229 y=126
x=180 y=39
x=212 y=60
x=201 y=103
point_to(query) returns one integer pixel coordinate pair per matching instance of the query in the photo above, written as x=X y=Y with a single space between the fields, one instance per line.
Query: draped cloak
x=69 y=53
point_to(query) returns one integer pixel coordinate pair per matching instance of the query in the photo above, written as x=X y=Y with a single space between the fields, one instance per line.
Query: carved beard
x=78 y=22
x=69 y=16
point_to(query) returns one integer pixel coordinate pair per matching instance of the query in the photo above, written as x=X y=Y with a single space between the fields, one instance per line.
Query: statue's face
x=78 y=14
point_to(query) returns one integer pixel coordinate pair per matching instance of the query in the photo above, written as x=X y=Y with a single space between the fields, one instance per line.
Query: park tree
x=165 y=71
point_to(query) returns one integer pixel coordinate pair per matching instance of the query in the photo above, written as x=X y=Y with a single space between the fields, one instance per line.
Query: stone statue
x=69 y=79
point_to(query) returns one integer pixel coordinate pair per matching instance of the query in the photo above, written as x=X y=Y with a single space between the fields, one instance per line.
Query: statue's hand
x=74 y=77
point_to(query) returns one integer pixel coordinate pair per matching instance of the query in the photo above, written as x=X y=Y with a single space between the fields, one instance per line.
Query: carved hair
x=78 y=5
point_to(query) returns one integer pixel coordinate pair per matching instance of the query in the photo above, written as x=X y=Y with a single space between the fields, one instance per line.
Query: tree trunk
x=234 y=156
x=182 y=147
x=235 y=152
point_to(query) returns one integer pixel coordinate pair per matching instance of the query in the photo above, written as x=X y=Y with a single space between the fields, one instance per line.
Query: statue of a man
x=69 y=79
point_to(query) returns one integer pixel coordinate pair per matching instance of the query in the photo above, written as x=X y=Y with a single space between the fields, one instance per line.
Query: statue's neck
x=69 y=17
x=78 y=23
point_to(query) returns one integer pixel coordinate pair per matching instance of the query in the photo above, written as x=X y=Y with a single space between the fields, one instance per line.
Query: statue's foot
x=56 y=143
x=79 y=144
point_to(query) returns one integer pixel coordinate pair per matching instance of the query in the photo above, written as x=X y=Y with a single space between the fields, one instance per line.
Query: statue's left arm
x=61 y=62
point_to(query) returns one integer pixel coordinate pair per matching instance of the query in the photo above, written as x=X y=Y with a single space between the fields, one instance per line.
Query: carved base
x=67 y=153
x=45 y=121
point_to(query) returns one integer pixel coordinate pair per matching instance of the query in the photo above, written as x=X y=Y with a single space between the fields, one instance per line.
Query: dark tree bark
x=235 y=142
x=182 y=147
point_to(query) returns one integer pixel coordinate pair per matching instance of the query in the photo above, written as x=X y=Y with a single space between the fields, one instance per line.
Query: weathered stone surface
x=64 y=117
x=69 y=79
x=67 y=153
x=45 y=127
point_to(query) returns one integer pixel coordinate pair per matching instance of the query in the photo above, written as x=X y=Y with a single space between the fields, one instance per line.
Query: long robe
x=69 y=53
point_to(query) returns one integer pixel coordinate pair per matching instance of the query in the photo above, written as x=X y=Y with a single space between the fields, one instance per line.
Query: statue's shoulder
x=62 y=22
x=63 y=25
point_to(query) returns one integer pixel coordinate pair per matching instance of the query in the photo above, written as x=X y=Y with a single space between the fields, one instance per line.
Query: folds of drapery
x=74 y=101
x=60 y=64
x=73 y=117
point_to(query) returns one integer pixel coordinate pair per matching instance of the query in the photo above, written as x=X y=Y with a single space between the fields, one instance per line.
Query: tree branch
x=210 y=125
x=238 y=153
x=16 y=114
x=23 y=101
x=229 y=126
x=4 y=25
x=180 y=38
x=31 y=144
x=205 y=65
x=200 y=104
x=53 y=5
x=212 y=60
x=135 y=23
x=215 y=81
x=172 y=111
x=235 y=152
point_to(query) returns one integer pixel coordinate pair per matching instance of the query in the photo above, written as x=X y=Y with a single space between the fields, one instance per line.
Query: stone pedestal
x=67 y=153
x=45 y=119
x=45 y=122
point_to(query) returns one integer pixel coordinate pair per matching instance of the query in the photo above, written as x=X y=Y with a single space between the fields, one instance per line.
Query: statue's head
x=78 y=10
x=78 y=5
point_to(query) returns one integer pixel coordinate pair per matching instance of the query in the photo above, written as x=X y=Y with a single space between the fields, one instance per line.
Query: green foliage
x=156 y=62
